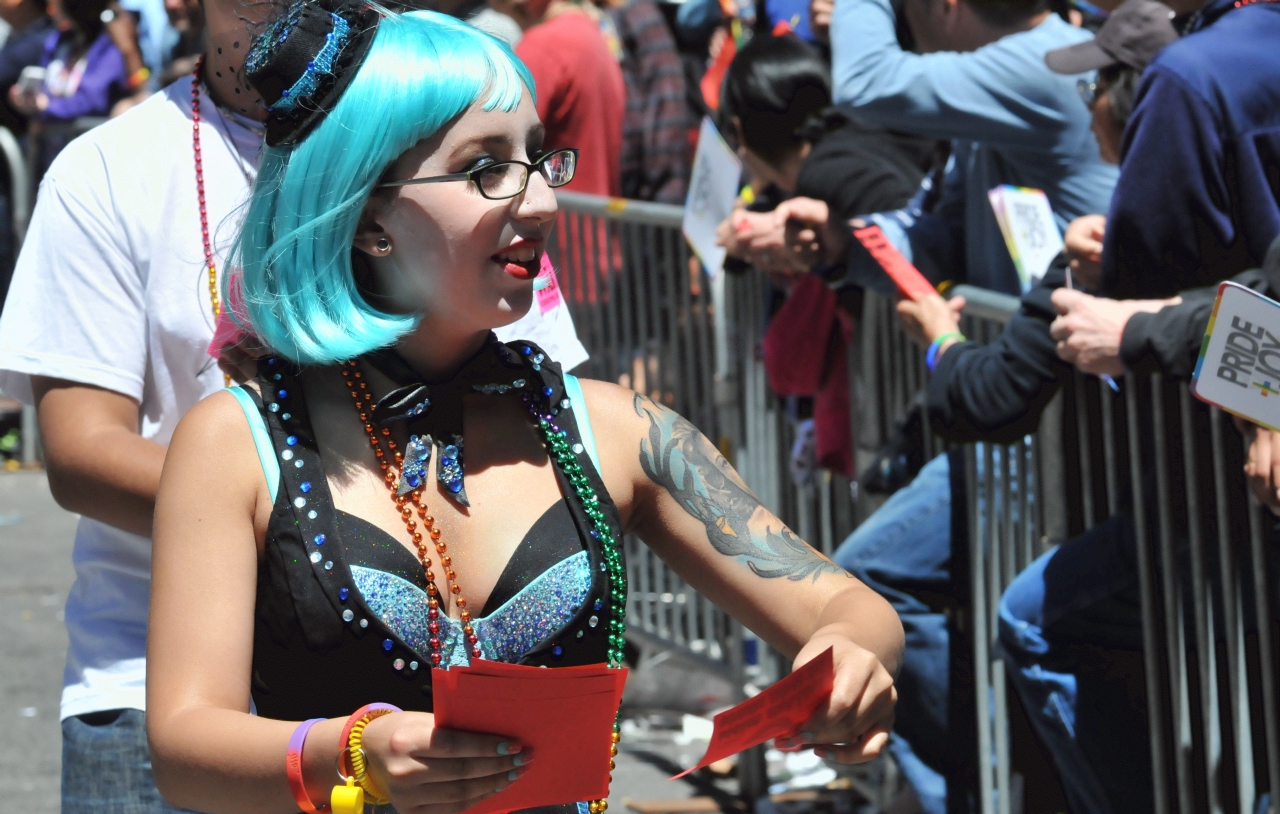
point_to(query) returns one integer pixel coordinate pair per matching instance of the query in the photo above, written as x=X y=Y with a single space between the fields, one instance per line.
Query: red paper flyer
x=562 y=717
x=777 y=712
x=908 y=279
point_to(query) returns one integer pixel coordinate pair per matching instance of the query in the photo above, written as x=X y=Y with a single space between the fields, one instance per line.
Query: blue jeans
x=1071 y=635
x=902 y=551
x=106 y=766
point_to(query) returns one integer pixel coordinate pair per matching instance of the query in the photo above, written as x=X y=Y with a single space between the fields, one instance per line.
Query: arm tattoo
x=681 y=460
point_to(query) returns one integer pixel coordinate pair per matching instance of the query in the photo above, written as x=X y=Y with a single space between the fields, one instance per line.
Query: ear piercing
x=383 y=246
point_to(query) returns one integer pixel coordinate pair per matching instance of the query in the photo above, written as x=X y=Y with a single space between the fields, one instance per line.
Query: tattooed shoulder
x=680 y=459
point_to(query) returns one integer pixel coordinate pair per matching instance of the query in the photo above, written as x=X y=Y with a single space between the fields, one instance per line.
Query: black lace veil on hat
x=303 y=61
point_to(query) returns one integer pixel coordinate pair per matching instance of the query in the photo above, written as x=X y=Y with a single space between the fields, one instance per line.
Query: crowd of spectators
x=1153 y=129
x=1182 y=97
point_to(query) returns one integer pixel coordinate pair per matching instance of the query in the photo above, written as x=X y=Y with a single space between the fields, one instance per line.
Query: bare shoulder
x=608 y=402
x=619 y=415
x=216 y=419
x=214 y=439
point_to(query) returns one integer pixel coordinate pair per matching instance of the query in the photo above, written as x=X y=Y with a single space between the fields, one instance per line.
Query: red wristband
x=293 y=767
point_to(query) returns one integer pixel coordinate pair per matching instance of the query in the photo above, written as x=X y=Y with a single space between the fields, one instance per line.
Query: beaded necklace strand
x=563 y=455
x=204 y=214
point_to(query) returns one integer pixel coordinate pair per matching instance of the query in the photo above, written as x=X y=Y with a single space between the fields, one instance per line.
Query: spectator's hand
x=854 y=725
x=1088 y=329
x=758 y=238
x=820 y=12
x=812 y=235
x=1262 y=466
x=1083 y=244
x=927 y=319
x=28 y=104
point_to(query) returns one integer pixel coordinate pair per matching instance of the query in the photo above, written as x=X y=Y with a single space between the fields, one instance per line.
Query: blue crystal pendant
x=413 y=473
x=449 y=469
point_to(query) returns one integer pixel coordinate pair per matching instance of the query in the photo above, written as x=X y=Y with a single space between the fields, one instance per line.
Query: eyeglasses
x=507 y=179
x=1088 y=92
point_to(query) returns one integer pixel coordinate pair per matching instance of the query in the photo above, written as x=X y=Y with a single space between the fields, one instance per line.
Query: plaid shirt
x=657 y=150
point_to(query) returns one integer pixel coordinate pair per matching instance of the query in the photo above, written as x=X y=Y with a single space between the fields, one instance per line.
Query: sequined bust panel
x=543 y=607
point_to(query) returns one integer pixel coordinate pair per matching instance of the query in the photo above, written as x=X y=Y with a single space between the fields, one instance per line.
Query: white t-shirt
x=111 y=290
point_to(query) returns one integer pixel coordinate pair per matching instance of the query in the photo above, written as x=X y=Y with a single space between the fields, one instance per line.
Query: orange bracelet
x=138 y=77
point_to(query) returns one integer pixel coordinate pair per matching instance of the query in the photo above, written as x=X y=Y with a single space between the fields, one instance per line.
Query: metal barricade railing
x=649 y=324
x=1207 y=575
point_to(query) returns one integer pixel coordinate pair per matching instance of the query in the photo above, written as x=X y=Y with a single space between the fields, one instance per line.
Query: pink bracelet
x=293 y=767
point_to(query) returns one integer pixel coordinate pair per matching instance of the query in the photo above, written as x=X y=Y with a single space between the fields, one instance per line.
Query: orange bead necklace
x=407 y=504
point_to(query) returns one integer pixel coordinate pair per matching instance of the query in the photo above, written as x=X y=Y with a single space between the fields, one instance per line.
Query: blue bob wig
x=299 y=292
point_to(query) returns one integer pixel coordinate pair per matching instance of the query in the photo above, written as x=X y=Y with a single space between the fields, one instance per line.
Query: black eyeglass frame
x=472 y=175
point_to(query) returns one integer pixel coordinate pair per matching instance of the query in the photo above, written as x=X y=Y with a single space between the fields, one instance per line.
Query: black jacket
x=996 y=392
x=856 y=168
x=1169 y=340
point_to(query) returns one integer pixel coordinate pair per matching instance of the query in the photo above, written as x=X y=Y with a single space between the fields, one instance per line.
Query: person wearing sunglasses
x=397 y=492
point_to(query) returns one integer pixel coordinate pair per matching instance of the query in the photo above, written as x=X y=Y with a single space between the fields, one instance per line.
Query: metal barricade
x=1207 y=577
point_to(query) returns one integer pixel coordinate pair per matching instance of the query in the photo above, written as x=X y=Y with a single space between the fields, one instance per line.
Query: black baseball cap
x=1132 y=36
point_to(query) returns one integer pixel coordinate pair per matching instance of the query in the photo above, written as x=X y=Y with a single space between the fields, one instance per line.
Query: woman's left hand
x=854 y=725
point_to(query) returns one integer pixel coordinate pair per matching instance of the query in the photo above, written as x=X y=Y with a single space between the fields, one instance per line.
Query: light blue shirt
x=1012 y=121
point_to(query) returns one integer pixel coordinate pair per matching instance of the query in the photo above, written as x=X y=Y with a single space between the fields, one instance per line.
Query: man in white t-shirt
x=106 y=329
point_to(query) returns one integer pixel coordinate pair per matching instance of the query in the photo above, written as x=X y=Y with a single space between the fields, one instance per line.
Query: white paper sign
x=712 y=190
x=1029 y=228
x=1239 y=365
x=548 y=322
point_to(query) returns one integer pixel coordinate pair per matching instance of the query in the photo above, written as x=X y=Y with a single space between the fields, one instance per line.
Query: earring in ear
x=383 y=246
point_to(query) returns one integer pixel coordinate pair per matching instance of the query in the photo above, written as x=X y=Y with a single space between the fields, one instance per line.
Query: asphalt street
x=35 y=547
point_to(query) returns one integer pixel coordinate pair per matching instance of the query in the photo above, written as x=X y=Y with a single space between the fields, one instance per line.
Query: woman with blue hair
x=397 y=492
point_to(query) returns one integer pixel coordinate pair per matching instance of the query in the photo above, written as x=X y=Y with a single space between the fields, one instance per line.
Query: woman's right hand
x=428 y=770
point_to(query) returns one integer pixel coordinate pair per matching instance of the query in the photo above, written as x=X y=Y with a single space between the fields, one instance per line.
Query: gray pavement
x=35 y=547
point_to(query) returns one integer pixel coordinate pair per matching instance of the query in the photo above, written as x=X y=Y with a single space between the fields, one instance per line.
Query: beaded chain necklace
x=562 y=453
x=204 y=214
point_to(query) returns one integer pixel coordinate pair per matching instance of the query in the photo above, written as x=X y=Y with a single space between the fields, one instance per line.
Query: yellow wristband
x=355 y=752
x=139 y=76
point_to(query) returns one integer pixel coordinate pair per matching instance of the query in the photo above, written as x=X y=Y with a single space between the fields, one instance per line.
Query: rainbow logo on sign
x=1267 y=389
x=1239 y=365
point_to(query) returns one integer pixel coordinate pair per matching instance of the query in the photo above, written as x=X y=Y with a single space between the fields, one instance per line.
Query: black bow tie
x=433 y=412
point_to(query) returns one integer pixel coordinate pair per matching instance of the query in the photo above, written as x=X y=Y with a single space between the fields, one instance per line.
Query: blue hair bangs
x=422 y=70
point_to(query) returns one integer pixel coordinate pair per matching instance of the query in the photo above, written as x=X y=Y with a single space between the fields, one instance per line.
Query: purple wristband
x=293 y=766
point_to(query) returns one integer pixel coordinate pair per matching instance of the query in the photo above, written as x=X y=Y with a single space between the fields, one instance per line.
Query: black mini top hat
x=302 y=62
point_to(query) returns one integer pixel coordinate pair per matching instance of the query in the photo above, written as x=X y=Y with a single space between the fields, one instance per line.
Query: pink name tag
x=546 y=287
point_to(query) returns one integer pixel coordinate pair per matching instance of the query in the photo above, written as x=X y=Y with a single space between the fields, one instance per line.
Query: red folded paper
x=905 y=276
x=562 y=717
x=774 y=713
